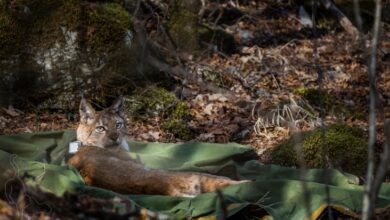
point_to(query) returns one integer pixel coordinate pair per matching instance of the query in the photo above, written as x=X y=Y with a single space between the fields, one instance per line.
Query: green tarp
x=283 y=193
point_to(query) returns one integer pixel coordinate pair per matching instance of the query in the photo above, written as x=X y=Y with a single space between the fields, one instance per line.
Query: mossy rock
x=72 y=35
x=101 y=25
x=346 y=149
x=106 y=24
x=155 y=101
x=50 y=31
x=39 y=23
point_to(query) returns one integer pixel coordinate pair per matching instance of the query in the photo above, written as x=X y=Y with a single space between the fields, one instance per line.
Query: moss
x=156 y=101
x=106 y=24
x=346 y=149
x=327 y=23
x=73 y=32
x=315 y=96
x=189 y=35
x=183 y=24
x=359 y=115
x=153 y=100
x=10 y=35
x=330 y=104
x=180 y=111
x=48 y=31
x=214 y=77
x=178 y=128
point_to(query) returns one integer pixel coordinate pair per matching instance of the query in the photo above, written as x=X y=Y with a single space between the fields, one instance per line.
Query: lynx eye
x=119 y=125
x=100 y=129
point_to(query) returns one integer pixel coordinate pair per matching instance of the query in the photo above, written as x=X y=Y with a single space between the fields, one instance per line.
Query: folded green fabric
x=281 y=192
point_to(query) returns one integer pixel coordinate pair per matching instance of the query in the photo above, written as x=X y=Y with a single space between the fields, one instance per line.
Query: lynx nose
x=114 y=137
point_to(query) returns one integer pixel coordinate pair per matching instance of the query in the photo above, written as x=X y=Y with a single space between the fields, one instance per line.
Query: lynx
x=103 y=160
x=104 y=129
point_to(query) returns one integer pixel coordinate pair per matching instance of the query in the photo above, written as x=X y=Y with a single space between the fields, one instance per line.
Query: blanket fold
x=281 y=192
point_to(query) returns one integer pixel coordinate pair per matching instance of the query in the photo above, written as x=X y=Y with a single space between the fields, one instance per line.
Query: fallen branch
x=343 y=20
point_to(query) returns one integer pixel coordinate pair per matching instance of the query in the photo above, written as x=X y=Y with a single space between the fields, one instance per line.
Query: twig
x=137 y=8
x=373 y=183
x=222 y=204
x=324 y=147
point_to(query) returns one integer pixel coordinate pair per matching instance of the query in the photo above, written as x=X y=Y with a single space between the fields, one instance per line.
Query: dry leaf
x=207 y=110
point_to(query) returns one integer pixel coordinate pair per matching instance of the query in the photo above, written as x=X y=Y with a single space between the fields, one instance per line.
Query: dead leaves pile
x=14 y=121
x=218 y=120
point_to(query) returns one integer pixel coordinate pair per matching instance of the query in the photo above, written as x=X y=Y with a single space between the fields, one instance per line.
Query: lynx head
x=105 y=129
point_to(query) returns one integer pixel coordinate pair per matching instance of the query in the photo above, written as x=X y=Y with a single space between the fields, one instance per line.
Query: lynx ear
x=87 y=112
x=117 y=105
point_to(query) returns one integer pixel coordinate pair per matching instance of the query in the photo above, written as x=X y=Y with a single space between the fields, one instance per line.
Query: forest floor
x=273 y=58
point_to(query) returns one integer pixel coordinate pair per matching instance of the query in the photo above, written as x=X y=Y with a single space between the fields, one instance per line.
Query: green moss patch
x=155 y=101
x=315 y=97
x=329 y=103
x=106 y=23
x=152 y=101
x=178 y=128
x=345 y=146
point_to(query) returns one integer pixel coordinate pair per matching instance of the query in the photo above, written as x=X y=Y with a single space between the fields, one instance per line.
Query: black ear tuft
x=117 y=105
x=87 y=112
